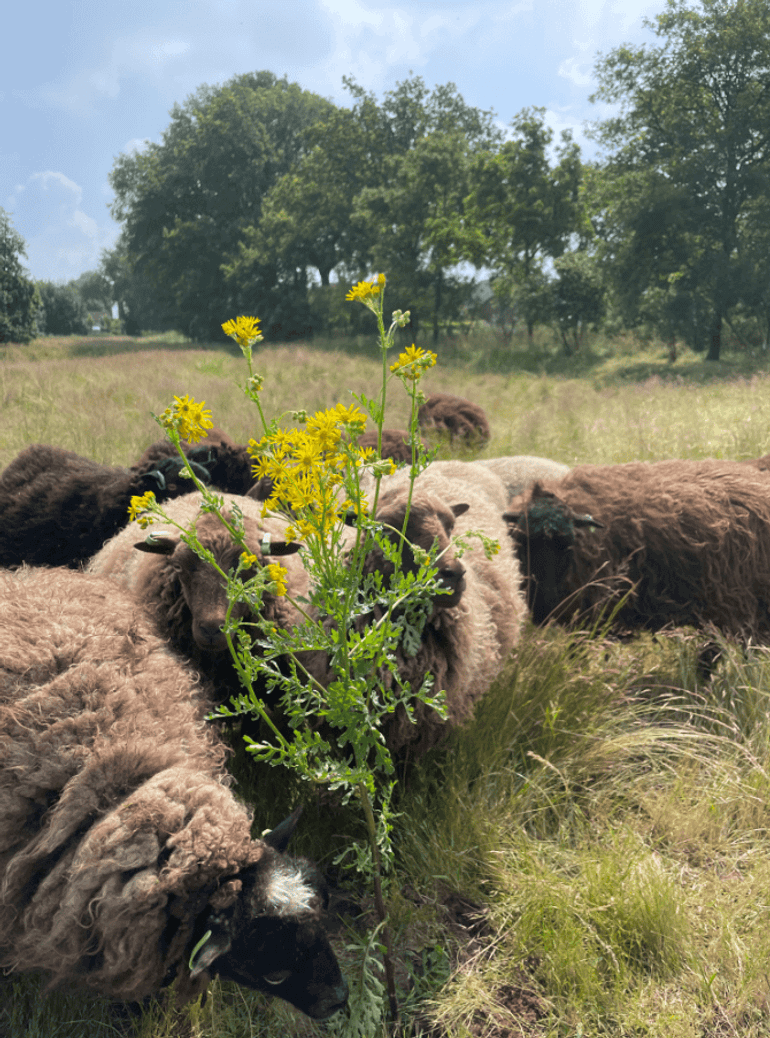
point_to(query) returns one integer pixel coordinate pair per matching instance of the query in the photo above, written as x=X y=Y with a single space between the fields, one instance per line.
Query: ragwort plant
x=331 y=733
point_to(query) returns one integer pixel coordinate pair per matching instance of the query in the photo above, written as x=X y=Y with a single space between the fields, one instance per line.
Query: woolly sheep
x=121 y=845
x=227 y=464
x=686 y=540
x=394 y=444
x=450 y=475
x=184 y=595
x=470 y=632
x=456 y=416
x=519 y=471
x=58 y=509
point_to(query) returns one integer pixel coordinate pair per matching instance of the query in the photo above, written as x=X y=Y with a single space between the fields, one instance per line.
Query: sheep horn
x=279 y=837
x=156 y=544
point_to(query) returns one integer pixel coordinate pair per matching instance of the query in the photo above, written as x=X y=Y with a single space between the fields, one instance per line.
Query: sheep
x=125 y=860
x=394 y=445
x=58 y=509
x=456 y=416
x=228 y=465
x=185 y=596
x=482 y=479
x=472 y=628
x=519 y=471
x=686 y=541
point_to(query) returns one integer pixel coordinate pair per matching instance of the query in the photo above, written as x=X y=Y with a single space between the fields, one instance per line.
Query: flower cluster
x=141 y=505
x=366 y=292
x=244 y=330
x=278 y=575
x=413 y=363
x=189 y=419
x=307 y=467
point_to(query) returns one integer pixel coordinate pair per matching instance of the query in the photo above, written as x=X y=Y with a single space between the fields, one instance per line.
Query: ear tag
x=266 y=539
x=196 y=949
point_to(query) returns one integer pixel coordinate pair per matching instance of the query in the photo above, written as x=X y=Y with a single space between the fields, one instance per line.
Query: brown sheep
x=395 y=444
x=686 y=541
x=58 y=509
x=121 y=845
x=185 y=596
x=456 y=416
x=471 y=629
x=227 y=464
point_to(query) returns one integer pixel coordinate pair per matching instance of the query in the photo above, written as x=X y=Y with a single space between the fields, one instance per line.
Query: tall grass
x=591 y=856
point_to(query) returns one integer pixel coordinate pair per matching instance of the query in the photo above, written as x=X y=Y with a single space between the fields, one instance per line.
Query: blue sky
x=83 y=81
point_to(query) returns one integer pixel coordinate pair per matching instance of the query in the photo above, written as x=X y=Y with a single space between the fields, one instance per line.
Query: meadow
x=589 y=857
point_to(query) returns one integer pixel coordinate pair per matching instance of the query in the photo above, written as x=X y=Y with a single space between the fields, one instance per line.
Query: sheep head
x=430 y=521
x=272 y=936
x=203 y=590
x=544 y=529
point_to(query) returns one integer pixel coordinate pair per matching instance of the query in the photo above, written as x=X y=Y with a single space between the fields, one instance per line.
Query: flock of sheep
x=126 y=862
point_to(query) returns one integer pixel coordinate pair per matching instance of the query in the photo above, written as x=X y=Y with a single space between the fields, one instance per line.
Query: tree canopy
x=19 y=299
x=689 y=152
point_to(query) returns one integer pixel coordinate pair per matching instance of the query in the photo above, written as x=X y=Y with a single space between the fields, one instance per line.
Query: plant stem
x=379 y=903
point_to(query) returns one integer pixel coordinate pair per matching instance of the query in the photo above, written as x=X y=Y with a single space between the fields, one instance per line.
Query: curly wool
x=116 y=823
x=519 y=471
x=158 y=581
x=687 y=541
x=464 y=645
x=456 y=416
x=227 y=463
x=58 y=509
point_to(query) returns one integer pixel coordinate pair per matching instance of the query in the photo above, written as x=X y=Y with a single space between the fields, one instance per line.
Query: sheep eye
x=276 y=978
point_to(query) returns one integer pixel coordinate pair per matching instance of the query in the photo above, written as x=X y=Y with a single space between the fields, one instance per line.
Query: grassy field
x=590 y=857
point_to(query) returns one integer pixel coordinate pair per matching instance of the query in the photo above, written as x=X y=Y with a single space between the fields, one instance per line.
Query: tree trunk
x=437 y=304
x=716 y=338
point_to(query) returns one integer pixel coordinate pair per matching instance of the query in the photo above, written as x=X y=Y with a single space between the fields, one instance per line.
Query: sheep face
x=430 y=520
x=203 y=590
x=543 y=532
x=272 y=938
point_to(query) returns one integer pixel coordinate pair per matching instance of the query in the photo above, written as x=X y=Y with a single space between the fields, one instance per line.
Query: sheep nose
x=333 y=1002
x=209 y=635
x=452 y=577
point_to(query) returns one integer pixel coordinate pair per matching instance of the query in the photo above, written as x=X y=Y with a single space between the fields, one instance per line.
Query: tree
x=19 y=298
x=186 y=203
x=525 y=211
x=140 y=306
x=64 y=310
x=415 y=216
x=578 y=297
x=694 y=120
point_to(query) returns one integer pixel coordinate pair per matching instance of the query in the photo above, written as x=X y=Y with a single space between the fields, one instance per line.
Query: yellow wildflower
x=325 y=426
x=139 y=505
x=244 y=330
x=191 y=420
x=248 y=560
x=278 y=575
x=366 y=291
x=413 y=363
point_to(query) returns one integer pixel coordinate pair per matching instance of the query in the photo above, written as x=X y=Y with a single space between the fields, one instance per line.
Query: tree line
x=262 y=197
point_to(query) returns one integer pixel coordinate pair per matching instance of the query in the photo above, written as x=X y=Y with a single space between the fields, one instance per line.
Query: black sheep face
x=273 y=938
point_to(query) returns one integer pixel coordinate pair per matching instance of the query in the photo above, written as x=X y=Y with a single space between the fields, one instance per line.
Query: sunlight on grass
x=592 y=855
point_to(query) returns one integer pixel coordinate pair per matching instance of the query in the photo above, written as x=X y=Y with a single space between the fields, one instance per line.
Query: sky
x=83 y=81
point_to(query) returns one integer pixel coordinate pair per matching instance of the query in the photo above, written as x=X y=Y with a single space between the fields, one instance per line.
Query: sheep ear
x=459 y=509
x=589 y=521
x=279 y=837
x=207 y=951
x=282 y=548
x=160 y=544
x=512 y=517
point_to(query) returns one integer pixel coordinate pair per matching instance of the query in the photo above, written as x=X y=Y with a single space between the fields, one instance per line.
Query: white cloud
x=61 y=239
